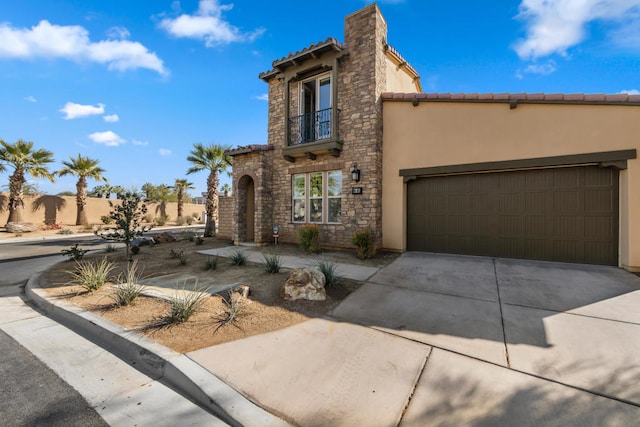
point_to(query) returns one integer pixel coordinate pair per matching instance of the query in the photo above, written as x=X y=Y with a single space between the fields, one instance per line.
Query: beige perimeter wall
x=452 y=133
x=62 y=209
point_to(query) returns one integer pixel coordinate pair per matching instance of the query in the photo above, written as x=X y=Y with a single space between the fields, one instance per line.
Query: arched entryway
x=247 y=209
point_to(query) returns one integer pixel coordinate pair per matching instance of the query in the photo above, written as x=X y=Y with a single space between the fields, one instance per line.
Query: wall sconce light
x=355 y=172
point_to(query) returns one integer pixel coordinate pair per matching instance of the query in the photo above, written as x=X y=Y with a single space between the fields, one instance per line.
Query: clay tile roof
x=330 y=44
x=579 y=98
x=401 y=59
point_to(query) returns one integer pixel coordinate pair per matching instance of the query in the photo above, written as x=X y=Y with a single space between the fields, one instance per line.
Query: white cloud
x=74 y=111
x=111 y=118
x=118 y=33
x=140 y=143
x=207 y=24
x=71 y=42
x=630 y=91
x=553 y=26
x=30 y=98
x=108 y=138
x=263 y=97
x=543 y=69
x=164 y=152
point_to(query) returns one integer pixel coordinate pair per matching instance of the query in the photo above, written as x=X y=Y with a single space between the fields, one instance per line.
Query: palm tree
x=101 y=191
x=23 y=158
x=213 y=159
x=83 y=168
x=180 y=187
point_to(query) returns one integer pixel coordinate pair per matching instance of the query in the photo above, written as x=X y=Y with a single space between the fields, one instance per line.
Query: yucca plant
x=272 y=263
x=211 y=263
x=128 y=288
x=328 y=269
x=232 y=306
x=91 y=276
x=184 y=304
x=238 y=258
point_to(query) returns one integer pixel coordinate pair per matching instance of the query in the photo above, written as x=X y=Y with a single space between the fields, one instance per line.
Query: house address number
x=356 y=190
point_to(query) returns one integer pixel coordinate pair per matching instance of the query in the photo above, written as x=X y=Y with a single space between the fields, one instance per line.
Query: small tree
x=128 y=217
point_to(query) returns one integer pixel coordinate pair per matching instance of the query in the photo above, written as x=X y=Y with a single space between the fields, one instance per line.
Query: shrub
x=110 y=248
x=309 y=236
x=176 y=254
x=148 y=218
x=189 y=220
x=74 y=253
x=183 y=305
x=91 y=276
x=106 y=219
x=162 y=219
x=128 y=289
x=211 y=263
x=199 y=240
x=328 y=269
x=182 y=259
x=231 y=309
x=365 y=243
x=135 y=250
x=272 y=263
x=180 y=220
x=65 y=231
x=238 y=258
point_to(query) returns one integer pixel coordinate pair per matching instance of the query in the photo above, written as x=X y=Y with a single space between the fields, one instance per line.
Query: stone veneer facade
x=361 y=79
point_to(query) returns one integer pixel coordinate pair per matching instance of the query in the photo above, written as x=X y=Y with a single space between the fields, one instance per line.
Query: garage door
x=565 y=214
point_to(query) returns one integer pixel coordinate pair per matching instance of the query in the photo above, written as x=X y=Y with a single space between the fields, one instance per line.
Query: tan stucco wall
x=398 y=80
x=62 y=209
x=451 y=133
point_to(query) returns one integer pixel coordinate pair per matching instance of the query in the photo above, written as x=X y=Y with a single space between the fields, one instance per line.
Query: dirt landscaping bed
x=264 y=311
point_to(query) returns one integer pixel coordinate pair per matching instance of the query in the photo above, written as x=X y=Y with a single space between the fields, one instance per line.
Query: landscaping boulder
x=20 y=227
x=166 y=237
x=304 y=283
x=142 y=241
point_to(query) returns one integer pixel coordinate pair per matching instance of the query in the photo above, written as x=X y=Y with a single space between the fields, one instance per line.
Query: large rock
x=304 y=283
x=166 y=237
x=142 y=241
x=20 y=227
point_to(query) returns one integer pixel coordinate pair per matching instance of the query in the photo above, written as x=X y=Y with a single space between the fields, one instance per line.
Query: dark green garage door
x=562 y=214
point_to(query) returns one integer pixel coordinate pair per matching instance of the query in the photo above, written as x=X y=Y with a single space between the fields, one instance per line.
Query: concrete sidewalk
x=348 y=271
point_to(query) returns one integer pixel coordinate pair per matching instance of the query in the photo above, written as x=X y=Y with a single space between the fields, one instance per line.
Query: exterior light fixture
x=355 y=172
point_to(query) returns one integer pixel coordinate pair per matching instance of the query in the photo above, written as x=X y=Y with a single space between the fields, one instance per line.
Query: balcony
x=313 y=133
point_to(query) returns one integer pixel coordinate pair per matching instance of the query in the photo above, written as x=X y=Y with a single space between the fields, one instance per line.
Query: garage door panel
x=564 y=214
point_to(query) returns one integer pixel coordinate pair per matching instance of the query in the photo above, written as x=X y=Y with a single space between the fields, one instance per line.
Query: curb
x=176 y=370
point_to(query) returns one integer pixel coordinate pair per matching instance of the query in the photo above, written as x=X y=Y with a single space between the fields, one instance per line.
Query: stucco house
x=540 y=176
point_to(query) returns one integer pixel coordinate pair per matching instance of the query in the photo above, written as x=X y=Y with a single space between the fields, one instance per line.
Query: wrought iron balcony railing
x=312 y=127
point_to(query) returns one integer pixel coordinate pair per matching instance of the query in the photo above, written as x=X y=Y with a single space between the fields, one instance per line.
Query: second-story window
x=315 y=109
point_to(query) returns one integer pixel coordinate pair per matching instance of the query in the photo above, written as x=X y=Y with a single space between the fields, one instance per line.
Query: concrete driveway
x=443 y=340
x=574 y=324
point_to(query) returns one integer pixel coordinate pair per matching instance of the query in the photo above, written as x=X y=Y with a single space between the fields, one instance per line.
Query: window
x=315 y=109
x=322 y=192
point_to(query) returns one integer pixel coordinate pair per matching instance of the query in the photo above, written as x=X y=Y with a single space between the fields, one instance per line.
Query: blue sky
x=136 y=83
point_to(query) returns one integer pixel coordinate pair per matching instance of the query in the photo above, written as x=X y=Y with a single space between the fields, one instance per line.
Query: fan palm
x=83 y=168
x=213 y=159
x=180 y=187
x=24 y=159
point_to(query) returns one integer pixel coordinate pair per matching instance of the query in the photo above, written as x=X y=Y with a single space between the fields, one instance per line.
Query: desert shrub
x=182 y=258
x=106 y=219
x=180 y=220
x=199 y=240
x=176 y=254
x=65 y=231
x=238 y=258
x=110 y=248
x=232 y=306
x=328 y=269
x=189 y=235
x=90 y=275
x=135 y=250
x=183 y=305
x=189 y=220
x=309 y=236
x=211 y=263
x=162 y=219
x=128 y=288
x=365 y=243
x=272 y=263
x=148 y=218
x=74 y=253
